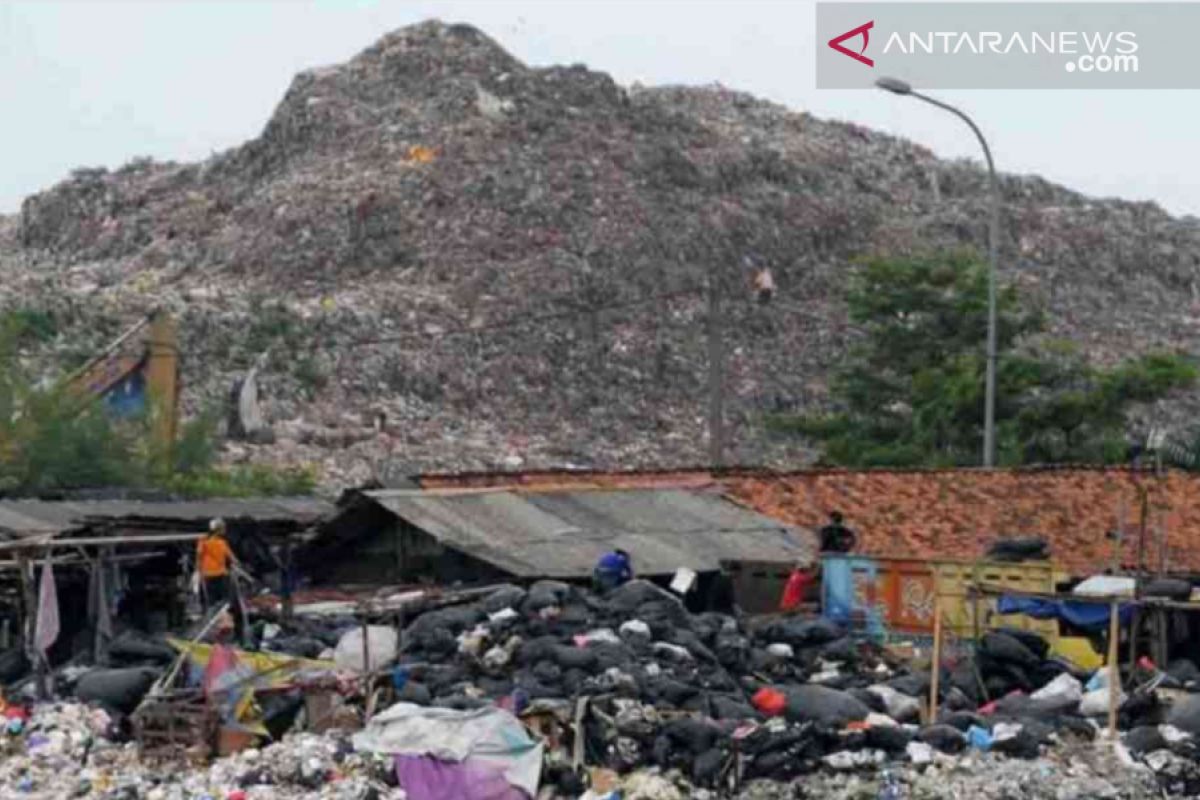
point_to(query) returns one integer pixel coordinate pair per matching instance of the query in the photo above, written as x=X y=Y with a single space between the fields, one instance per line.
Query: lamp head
x=894 y=85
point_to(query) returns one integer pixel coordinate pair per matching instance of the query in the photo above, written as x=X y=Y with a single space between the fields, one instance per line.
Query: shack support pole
x=936 y=666
x=1114 y=669
x=30 y=601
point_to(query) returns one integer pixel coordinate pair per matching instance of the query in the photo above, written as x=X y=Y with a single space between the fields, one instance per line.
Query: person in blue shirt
x=612 y=570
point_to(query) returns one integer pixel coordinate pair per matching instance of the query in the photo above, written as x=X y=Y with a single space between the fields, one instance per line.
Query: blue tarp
x=1078 y=613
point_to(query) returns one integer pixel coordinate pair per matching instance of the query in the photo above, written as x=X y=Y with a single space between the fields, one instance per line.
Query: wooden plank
x=936 y=666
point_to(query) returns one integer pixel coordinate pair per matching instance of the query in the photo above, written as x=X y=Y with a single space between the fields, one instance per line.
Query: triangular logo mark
x=861 y=30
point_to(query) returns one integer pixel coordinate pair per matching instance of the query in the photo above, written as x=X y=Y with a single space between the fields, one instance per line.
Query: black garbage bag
x=13 y=665
x=964 y=678
x=707 y=767
x=663 y=617
x=453 y=620
x=1140 y=708
x=710 y=625
x=911 y=685
x=674 y=692
x=506 y=596
x=954 y=700
x=440 y=678
x=1024 y=744
x=532 y=651
x=1033 y=641
x=691 y=642
x=1181 y=669
x=869 y=699
x=888 y=738
x=841 y=650
x=1144 y=739
x=545 y=594
x=1075 y=725
x=1019 y=548
x=1170 y=588
x=800 y=633
x=279 y=710
x=460 y=702
x=732 y=651
x=134 y=646
x=943 y=738
x=548 y=672
x=731 y=707
x=629 y=596
x=299 y=646
x=696 y=736
x=118 y=689
x=960 y=720
x=569 y=657
x=824 y=706
x=1007 y=650
x=415 y=693
x=1040 y=729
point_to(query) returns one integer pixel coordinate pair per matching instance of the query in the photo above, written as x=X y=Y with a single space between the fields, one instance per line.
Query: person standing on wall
x=836 y=537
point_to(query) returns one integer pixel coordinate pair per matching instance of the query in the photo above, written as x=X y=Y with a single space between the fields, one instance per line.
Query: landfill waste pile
x=526 y=248
x=556 y=692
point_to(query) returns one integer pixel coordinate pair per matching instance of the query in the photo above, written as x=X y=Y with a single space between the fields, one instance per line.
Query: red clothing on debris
x=793 y=591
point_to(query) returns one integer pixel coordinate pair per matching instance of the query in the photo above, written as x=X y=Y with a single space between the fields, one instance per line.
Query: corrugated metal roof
x=21 y=518
x=562 y=533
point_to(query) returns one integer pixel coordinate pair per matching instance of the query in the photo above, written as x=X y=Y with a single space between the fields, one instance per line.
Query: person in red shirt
x=795 y=588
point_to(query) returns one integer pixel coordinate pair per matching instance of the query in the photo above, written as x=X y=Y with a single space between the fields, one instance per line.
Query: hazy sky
x=95 y=83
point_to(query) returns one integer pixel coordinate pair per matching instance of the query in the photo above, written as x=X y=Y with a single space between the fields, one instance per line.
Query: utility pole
x=989 y=412
x=716 y=372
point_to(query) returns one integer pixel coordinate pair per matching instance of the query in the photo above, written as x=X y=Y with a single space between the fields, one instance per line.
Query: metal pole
x=989 y=413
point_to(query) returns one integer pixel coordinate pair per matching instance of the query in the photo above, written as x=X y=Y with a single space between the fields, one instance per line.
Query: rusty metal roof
x=561 y=534
x=25 y=518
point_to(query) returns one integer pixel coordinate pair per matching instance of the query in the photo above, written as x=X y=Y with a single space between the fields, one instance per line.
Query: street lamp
x=900 y=87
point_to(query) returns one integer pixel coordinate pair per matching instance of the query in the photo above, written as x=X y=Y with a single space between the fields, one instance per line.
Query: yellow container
x=954 y=578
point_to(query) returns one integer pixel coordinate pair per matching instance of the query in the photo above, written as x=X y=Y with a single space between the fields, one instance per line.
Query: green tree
x=50 y=440
x=911 y=390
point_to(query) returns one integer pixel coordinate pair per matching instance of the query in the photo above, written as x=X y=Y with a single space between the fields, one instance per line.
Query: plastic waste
x=382 y=642
x=979 y=738
x=781 y=650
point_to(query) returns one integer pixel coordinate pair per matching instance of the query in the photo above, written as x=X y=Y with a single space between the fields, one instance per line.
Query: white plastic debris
x=1095 y=703
x=635 y=628
x=1003 y=731
x=600 y=636
x=1064 y=689
x=1173 y=735
x=672 y=651
x=919 y=753
x=781 y=650
x=382 y=642
x=877 y=720
x=503 y=615
x=899 y=705
x=496 y=658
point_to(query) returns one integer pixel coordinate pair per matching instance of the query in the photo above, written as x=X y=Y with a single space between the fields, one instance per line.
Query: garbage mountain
x=458 y=261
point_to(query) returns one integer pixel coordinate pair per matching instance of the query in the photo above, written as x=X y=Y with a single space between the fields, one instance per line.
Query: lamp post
x=989 y=414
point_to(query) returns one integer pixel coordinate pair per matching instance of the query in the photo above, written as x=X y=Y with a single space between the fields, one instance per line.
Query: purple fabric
x=427 y=778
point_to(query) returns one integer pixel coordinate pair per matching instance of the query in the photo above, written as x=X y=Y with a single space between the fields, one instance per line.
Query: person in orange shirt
x=214 y=558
